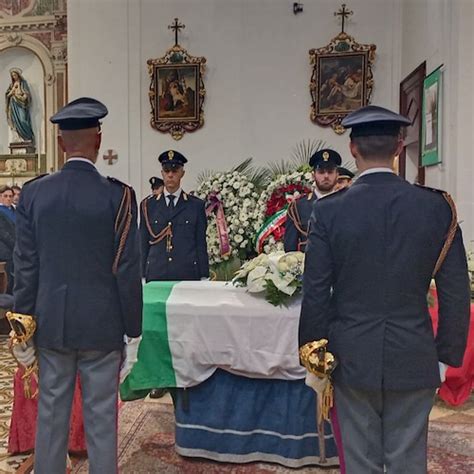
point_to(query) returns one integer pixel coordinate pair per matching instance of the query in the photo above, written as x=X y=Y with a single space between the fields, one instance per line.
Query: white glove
x=316 y=383
x=130 y=353
x=25 y=355
x=442 y=371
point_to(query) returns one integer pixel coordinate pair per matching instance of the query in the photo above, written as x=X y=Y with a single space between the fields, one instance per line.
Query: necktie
x=171 y=202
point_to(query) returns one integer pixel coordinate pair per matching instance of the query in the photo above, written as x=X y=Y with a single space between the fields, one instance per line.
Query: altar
x=234 y=359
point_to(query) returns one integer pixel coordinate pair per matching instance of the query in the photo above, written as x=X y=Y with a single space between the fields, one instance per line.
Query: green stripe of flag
x=154 y=368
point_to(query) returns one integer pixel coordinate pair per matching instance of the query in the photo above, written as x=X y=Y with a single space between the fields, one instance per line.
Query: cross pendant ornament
x=343 y=13
x=111 y=157
x=176 y=27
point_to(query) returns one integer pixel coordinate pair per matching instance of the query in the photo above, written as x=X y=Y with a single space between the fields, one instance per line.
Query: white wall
x=258 y=71
x=441 y=32
x=33 y=72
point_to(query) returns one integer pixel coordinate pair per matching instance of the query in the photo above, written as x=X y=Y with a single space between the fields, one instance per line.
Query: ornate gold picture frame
x=177 y=92
x=341 y=80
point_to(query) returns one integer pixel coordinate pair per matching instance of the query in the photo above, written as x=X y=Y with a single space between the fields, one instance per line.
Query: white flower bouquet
x=278 y=275
x=230 y=202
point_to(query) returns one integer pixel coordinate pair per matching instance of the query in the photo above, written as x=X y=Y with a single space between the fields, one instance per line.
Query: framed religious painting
x=431 y=119
x=177 y=91
x=341 y=80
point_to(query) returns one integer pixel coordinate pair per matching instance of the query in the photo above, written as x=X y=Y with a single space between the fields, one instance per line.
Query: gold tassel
x=31 y=373
x=327 y=400
x=23 y=328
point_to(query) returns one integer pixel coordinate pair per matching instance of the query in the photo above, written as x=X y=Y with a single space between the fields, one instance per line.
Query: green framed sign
x=431 y=119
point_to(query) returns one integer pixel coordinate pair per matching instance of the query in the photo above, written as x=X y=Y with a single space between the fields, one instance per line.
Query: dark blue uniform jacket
x=65 y=249
x=294 y=239
x=184 y=255
x=371 y=252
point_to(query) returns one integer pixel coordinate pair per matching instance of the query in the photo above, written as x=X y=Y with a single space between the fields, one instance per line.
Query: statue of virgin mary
x=18 y=102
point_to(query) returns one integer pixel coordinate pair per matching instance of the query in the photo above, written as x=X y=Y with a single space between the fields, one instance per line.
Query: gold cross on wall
x=343 y=13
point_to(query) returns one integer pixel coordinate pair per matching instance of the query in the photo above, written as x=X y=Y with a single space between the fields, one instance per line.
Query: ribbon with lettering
x=216 y=207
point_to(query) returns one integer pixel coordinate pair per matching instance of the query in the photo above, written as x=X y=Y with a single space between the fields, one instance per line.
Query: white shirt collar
x=176 y=193
x=381 y=169
x=318 y=193
x=79 y=158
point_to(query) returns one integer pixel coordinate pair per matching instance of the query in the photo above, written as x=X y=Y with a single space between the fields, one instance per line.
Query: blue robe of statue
x=18 y=109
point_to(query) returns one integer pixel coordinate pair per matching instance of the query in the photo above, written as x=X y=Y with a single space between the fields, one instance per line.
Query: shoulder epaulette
x=309 y=196
x=35 y=178
x=117 y=181
x=192 y=197
x=146 y=198
x=422 y=186
x=452 y=226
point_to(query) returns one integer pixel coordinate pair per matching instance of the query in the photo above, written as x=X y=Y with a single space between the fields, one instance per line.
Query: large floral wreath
x=270 y=211
x=230 y=203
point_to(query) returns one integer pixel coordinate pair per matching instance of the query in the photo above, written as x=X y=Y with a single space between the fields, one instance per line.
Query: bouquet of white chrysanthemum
x=230 y=201
x=278 y=275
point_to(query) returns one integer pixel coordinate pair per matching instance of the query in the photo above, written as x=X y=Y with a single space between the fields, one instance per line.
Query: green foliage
x=303 y=151
x=274 y=296
x=204 y=176
x=258 y=176
x=225 y=271
x=279 y=168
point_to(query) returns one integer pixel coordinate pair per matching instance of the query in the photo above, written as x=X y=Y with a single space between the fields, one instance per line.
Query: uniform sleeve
x=129 y=279
x=144 y=240
x=452 y=283
x=201 y=243
x=25 y=261
x=291 y=233
x=317 y=283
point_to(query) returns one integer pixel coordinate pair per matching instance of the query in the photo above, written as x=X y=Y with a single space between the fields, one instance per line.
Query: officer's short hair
x=4 y=188
x=376 y=146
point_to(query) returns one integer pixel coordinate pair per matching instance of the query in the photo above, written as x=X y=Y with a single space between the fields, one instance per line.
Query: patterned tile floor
x=9 y=464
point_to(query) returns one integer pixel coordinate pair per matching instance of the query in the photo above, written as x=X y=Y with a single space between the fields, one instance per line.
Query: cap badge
x=170 y=155
x=325 y=156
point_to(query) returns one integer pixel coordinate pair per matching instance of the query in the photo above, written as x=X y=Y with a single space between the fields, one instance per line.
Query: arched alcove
x=33 y=73
x=29 y=54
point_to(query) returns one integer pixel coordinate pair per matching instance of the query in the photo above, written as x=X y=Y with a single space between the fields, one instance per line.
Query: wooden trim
x=419 y=71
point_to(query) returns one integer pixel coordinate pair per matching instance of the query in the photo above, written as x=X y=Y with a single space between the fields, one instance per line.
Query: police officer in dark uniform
x=173 y=228
x=372 y=251
x=77 y=271
x=324 y=163
x=157 y=185
x=344 y=178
